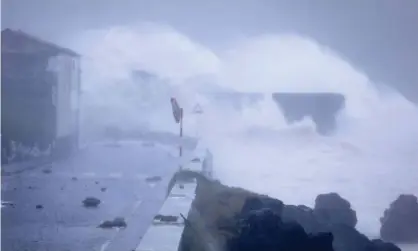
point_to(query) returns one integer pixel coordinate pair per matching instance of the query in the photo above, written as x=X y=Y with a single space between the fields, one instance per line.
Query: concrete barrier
x=166 y=230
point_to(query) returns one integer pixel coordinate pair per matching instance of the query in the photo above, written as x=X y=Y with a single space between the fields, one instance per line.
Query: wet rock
x=331 y=208
x=91 y=202
x=400 y=221
x=263 y=229
x=257 y=203
x=153 y=179
x=303 y=215
x=118 y=222
x=383 y=246
x=39 y=207
x=217 y=209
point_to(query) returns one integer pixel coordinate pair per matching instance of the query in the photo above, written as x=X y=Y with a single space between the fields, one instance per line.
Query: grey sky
x=378 y=36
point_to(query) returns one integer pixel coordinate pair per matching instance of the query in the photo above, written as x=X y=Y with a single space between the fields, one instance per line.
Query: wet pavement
x=45 y=210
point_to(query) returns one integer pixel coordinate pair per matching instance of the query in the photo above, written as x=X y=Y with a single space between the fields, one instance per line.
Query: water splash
x=370 y=160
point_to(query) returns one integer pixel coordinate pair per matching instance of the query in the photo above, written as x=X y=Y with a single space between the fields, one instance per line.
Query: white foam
x=372 y=158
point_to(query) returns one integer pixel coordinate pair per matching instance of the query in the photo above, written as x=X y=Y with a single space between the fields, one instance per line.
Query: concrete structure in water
x=321 y=107
x=40 y=94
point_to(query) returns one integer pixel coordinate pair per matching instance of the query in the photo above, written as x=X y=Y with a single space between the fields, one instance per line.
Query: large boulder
x=263 y=229
x=331 y=208
x=217 y=210
x=400 y=220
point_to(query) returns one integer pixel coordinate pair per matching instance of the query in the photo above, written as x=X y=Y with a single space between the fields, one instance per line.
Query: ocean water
x=370 y=160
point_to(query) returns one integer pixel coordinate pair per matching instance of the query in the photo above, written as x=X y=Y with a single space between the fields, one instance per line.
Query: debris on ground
x=118 y=222
x=7 y=204
x=153 y=179
x=39 y=206
x=166 y=218
x=91 y=202
x=47 y=171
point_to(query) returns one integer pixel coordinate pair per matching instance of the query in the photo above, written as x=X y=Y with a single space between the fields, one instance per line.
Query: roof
x=16 y=41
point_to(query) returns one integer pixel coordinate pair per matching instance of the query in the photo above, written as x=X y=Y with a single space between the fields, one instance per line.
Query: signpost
x=178 y=117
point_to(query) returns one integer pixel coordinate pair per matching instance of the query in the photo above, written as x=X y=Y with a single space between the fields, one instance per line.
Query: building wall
x=66 y=93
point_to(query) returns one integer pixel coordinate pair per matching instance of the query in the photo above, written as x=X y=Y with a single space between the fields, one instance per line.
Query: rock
x=91 y=202
x=103 y=189
x=331 y=208
x=383 y=246
x=39 y=206
x=47 y=171
x=218 y=211
x=117 y=222
x=263 y=229
x=304 y=216
x=257 y=203
x=400 y=220
x=74 y=178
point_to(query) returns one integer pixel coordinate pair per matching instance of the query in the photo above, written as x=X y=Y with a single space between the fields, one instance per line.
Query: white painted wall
x=66 y=92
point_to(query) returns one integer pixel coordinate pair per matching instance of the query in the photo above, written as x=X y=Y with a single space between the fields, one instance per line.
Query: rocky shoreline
x=217 y=209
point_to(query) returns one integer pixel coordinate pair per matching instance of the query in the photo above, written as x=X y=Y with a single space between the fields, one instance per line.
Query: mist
x=369 y=160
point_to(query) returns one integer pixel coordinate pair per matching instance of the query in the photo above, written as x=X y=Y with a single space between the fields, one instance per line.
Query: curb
x=166 y=230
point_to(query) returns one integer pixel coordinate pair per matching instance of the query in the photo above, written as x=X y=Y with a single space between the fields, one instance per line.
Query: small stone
x=103 y=189
x=96 y=182
x=39 y=206
x=106 y=224
x=47 y=171
x=74 y=178
x=91 y=202
x=117 y=222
